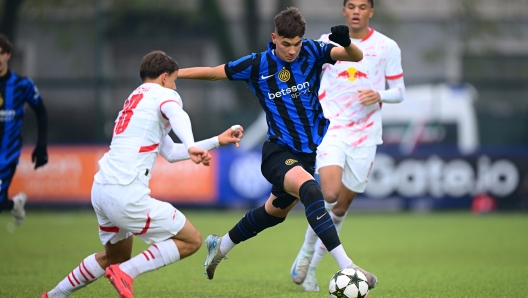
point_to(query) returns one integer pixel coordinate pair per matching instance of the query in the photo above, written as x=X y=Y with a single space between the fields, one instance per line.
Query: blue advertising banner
x=240 y=182
x=436 y=177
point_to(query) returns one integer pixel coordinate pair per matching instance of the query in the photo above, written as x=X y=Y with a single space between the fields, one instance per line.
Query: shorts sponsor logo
x=284 y=75
x=290 y=161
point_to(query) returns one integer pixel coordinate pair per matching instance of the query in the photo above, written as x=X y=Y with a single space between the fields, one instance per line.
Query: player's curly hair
x=370 y=1
x=290 y=23
x=5 y=44
x=155 y=63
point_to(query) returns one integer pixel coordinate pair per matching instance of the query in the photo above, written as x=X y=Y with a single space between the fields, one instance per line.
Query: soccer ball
x=348 y=283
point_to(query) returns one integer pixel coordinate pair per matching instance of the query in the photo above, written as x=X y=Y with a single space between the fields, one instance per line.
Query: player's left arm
x=348 y=51
x=174 y=152
x=40 y=153
x=394 y=76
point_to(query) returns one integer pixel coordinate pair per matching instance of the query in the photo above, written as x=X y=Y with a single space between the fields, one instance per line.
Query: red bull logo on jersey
x=295 y=91
x=352 y=74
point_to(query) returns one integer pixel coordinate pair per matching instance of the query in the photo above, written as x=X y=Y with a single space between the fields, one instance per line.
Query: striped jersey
x=15 y=91
x=288 y=92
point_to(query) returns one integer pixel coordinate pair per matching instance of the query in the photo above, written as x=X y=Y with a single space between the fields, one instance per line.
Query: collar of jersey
x=272 y=46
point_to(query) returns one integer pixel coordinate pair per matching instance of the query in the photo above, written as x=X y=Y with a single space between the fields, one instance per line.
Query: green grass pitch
x=428 y=255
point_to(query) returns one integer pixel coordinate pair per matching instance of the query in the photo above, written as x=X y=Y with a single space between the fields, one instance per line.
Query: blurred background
x=458 y=141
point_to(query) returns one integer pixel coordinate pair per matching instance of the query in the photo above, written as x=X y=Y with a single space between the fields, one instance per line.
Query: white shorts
x=126 y=210
x=356 y=162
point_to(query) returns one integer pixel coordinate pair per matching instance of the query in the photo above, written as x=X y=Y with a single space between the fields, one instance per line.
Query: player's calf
x=254 y=222
x=317 y=215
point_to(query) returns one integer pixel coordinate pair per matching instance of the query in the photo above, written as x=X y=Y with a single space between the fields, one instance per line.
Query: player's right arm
x=203 y=73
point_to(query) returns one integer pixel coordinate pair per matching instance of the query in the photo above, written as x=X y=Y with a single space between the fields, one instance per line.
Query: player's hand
x=340 y=35
x=369 y=97
x=231 y=135
x=199 y=155
x=39 y=156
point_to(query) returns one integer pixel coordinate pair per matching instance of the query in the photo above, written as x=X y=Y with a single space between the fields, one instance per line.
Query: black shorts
x=277 y=160
x=6 y=175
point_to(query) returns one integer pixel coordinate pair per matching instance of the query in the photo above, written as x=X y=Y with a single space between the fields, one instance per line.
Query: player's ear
x=163 y=78
x=274 y=37
x=371 y=13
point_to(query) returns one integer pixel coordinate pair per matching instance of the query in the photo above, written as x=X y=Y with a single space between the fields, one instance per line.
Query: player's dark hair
x=155 y=63
x=370 y=1
x=5 y=44
x=290 y=23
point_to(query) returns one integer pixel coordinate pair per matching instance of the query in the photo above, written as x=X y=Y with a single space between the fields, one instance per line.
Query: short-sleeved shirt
x=139 y=128
x=15 y=91
x=287 y=91
x=352 y=122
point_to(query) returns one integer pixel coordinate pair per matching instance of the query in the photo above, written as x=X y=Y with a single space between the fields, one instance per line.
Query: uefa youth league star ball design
x=348 y=283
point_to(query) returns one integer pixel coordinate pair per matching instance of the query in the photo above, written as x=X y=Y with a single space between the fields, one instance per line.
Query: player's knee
x=310 y=192
x=330 y=195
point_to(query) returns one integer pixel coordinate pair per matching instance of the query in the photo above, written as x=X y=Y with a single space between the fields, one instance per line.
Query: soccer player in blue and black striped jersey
x=15 y=91
x=285 y=78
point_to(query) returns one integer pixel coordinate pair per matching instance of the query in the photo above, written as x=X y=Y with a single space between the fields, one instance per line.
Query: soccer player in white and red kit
x=351 y=94
x=120 y=192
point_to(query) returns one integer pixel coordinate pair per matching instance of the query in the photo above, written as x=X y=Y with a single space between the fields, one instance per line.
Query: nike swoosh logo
x=264 y=78
x=294 y=273
x=319 y=217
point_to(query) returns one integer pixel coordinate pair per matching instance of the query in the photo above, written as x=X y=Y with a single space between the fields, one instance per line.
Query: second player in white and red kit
x=355 y=123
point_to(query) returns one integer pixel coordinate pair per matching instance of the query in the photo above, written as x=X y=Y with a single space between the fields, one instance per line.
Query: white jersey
x=138 y=131
x=356 y=124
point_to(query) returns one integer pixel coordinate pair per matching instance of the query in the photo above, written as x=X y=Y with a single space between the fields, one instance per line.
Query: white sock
x=329 y=206
x=338 y=220
x=310 y=237
x=341 y=257
x=226 y=245
x=87 y=272
x=155 y=257
x=320 y=249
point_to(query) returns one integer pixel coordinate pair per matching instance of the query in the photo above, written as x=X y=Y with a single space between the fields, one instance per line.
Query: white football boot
x=299 y=269
x=18 y=212
x=310 y=282
x=214 y=256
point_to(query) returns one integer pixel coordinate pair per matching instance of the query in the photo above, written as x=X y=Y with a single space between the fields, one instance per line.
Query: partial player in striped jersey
x=351 y=95
x=120 y=192
x=15 y=92
x=285 y=79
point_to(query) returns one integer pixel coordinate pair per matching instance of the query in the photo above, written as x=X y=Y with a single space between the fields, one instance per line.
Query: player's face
x=169 y=80
x=357 y=14
x=287 y=48
x=4 y=58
